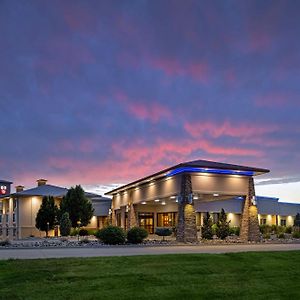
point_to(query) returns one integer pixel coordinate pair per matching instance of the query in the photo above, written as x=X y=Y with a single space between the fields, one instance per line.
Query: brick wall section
x=249 y=224
x=186 y=228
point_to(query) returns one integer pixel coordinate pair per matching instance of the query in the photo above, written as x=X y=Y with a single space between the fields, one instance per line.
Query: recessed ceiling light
x=163 y=203
x=195 y=197
x=176 y=200
x=143 y=202
x=215 y=195
x=156 y=200
x=172 y=197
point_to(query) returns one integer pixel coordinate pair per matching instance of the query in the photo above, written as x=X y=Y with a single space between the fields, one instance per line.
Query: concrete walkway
x=139 y=250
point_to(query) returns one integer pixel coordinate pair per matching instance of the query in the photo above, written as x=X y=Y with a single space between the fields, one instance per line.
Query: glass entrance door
x=146 y=220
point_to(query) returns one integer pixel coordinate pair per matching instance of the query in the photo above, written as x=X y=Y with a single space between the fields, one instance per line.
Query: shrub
x=163 y=231
x=296 y=235
x=265 y=229
x=214 y=228
x=267 y=236
x=289 y=229
x=223 y=226
x=235 y=230
x=281 y=235
x=83 y=232
x=65 y=224
x=91 y=231
x=74 y=232
x=4 y=243
x=111 y=235
x=136 y=235
x=206 y=229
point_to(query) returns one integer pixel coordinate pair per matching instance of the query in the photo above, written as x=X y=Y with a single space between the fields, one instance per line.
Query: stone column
x=249 y=223
x=123 y=211
x=132 y=218
x=186 y=229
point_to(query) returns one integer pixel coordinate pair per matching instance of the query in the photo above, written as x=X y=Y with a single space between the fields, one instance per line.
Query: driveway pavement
x=139 y=250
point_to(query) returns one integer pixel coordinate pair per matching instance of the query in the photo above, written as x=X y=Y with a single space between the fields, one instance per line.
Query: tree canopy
x=46 y=216
x=78 y=206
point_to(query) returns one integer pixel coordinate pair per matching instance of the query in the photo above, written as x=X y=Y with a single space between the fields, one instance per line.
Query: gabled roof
x=44 y=190
x=195 y=166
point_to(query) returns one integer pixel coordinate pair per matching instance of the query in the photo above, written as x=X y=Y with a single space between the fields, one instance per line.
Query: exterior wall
x=222 y=184
x=164 y=187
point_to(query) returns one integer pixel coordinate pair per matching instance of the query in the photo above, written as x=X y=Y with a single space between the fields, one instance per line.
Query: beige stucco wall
x=222 y=184
x=166 y=187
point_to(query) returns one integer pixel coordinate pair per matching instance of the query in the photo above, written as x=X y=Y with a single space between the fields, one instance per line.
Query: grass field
x=253 y=275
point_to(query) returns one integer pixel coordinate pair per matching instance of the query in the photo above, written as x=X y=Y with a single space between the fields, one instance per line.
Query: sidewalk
x=139 y=250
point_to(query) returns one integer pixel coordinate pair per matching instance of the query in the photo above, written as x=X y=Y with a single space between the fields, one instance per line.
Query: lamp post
x=78 y=224
x=47 y=235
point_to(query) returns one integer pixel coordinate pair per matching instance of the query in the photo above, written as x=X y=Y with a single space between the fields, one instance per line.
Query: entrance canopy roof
x=196 y=166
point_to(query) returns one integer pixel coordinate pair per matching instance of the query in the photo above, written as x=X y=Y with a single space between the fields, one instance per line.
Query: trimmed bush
x=4 y=243
x=83 y=232
x=91 y=231
x=264 y=229
x=267 y=236
x=235 y=230
x=289 y=229
x=296 y=235
x=163 y=231
x=136 y=235
x=281 y=235
x=214 y=228
x=111 y=235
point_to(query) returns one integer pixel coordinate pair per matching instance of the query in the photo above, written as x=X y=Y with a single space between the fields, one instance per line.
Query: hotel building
x=179 y=196
x=18 y=210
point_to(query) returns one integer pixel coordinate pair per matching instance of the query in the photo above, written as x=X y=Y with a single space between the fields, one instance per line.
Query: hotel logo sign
x=3 y=190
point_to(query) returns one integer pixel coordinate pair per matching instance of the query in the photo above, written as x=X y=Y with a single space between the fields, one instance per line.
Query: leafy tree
x=297 y=220
x=78 y=206
x=222 y=226
x=46 y=216
x=65 y=224
x=206 y=229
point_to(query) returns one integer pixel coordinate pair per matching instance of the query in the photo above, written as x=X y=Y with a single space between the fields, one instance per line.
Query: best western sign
x=4 y=188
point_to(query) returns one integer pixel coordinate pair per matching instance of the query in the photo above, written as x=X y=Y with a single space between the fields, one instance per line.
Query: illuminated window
x=166 y=219
x=263 y=221
x=282 y=222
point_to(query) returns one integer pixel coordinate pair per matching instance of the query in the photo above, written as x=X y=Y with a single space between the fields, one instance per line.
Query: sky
x=101 y=93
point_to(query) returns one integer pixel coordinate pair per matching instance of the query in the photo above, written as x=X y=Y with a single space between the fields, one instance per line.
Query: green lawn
x=261 y=275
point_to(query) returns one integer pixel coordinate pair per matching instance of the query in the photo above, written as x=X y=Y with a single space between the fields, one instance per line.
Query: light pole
x=47 y=229
x=78 y=224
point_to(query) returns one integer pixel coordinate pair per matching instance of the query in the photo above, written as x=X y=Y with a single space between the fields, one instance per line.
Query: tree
x=206 y=229
x=46 y=216
x=65 y=224
x=297 y=220
x=78 y=206
x=222 y=226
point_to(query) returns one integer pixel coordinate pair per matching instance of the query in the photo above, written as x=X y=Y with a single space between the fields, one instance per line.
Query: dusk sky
x=104 y=92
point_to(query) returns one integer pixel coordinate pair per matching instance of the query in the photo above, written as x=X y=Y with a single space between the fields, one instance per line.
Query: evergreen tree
x=297 y=220
x=46 y=216
x=222 y=226
x=78 y=206
x=206 y=229
x=65 y=224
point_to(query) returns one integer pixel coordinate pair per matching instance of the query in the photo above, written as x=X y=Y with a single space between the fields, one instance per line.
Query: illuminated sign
x=3 y=189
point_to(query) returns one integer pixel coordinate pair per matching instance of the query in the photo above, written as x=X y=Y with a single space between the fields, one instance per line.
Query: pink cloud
x=215 y=130
x=143 y=110
x=198 y=71
x=276 y=100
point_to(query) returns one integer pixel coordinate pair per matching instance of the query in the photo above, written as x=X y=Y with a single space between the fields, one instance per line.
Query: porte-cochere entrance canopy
x=172 y=195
